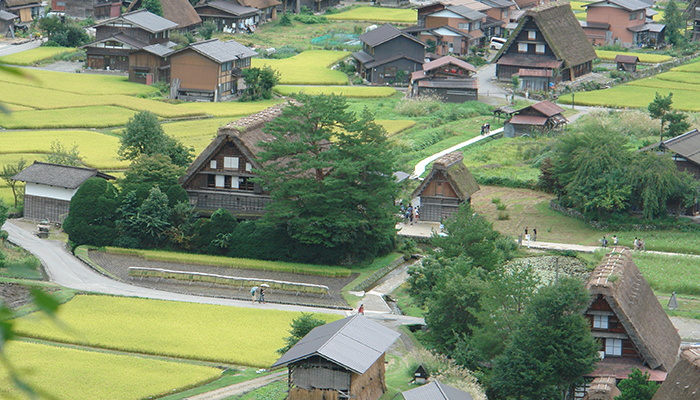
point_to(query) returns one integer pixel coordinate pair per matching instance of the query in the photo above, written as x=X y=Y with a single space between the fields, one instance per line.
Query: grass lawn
x=405 y=302
x=66 y=373
x=347 y=91
x=643 y=57
x=308 y=68
x=245 y=336
x=680 y=274
x=33 y=56
x=364 y=273
x=379 y=14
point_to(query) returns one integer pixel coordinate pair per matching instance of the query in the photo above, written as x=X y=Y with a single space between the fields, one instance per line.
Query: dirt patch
x=14 y=295
x=520 y=205
x=118 y=265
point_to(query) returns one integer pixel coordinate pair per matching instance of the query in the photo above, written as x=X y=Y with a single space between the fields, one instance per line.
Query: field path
x=239 y=388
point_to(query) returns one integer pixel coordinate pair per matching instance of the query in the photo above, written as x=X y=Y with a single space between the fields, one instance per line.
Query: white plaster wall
x=50 y=192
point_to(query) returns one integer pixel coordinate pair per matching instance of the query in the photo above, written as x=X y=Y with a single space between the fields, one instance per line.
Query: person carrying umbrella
x=261 y=298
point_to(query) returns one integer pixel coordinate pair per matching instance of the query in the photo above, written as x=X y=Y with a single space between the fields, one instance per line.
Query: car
x=497 y=43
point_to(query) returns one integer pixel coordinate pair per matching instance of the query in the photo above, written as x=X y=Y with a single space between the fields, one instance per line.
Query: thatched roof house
x=340 y=360
x=448 y=185
x=683 y=383
x=548 y=37
x=628 y=319
x=220 y=177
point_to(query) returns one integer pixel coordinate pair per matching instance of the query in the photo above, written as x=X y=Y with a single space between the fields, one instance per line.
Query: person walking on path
x=614 y=240
x=605 y=242
x=361 y=310
x=252 y=293
x=642 y=245
x=534 y=234
x=261 y=299
x=636 y=244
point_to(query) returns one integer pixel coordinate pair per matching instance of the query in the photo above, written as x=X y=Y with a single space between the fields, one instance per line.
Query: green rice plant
x=347 y=91
x=378 y=14
x=643 y=57
x=681 y=76
x=77 y=83
x=77 y=117
x=633 y=96
x=74 y=374
x=670 y=273
x=308 y=68
x=230 y=262
x=33 y=56
x=97 y=150
x=243 y=336
x=40 y=98
x=658 y=83
x=692 y=67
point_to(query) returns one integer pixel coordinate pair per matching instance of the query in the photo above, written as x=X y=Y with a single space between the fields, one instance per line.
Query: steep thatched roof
x=602 y=388
x=618 y=280
x=179 y=11
x=561 y=30
x=683 y=383
x=457 y=175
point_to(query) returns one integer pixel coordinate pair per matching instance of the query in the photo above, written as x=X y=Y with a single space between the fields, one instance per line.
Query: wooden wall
x=614 y=326
x=195 y=71
x=371 y=384
x=439 y=187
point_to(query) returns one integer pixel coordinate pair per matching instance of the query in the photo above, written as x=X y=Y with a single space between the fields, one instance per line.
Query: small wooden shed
x=449 y=184
x=340 y=360
x=602 y=388
x=420 y=375
x=626 y=63
x=7 y=23
x=539 y=117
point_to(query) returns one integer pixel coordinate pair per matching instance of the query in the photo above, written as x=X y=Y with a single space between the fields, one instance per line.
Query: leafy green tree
x=220 y=224
x=335 y=187
x=92 y=213
x=551 y=348
x=144 y=135
x=144 y=225
x=658 y=109
x=677 y=123
x=177 y=194
x=153 y=6
x=432 y=46
x=207 y=29
x=66 y=34
x=637 y=386
x=675 y=24
x=300 y=327
x=63 y=155
x=259 y=82
x=10 y=170
x=285 y=20
x=148 y=171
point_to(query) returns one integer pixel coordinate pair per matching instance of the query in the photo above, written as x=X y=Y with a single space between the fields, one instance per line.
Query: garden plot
x=378 y=14
x=79 y=374
x=308 y=68
x=634 y=96
x=245 y=336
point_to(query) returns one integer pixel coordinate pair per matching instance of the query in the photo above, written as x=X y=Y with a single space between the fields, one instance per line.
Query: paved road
x=12 y=49
x=66 y=270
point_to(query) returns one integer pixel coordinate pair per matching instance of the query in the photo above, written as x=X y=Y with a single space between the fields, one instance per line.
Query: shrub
x=496 y=200
x=285 y=20
x=503 y=216
x=501 y=207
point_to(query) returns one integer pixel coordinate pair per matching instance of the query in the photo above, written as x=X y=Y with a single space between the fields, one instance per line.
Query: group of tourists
x=639 y=245
x=409 y=214
x=485 y=129
x=260 y=291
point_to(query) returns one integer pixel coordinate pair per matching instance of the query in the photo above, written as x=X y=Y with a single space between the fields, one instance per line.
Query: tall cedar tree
x=637 y=386
x=330 y=176
x=658 y=109
x=551 y=348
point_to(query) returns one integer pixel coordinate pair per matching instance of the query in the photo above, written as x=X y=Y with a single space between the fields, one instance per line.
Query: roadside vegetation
x=37 y=55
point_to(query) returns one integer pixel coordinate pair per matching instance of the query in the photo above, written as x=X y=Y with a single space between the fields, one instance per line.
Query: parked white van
x=497 y=43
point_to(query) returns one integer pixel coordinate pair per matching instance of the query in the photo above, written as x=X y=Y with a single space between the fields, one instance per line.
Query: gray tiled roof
x=354 y=343
x=7 y=16
x=222 y=51
x=436 y=391
x=230 y=7
x=58 y=175
x=630 y=5
x=158 y=49
x=497 y=3
x=467 y=12
x=149 y=21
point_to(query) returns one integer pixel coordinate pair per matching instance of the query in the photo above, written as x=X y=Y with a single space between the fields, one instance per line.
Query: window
x=243 y=63
x=212 y=164
x=234 y=182
x=231 y=162
x=539 y=49
x=613 y=347
x=522 y=47
x=463 y=25
x=633 y=16
x=477 y=25
x=226 y=66
x=220 y=181
x=531 y=35
x=248 y=167
x=600 y=321
x=226 y=87
x=505 y=13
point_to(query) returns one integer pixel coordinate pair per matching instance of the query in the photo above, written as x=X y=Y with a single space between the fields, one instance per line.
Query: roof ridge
x=66 y=166
x=352 y=318
x=437 y=383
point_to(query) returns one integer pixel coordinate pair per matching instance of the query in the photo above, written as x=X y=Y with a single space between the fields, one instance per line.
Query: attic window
x=539 y=48
x=505 y=13
x=600 y=321
x=613 y=347
x=531 y=35
x=230 y=162
x=248 y=167
x=212 y=164
x=522 y=47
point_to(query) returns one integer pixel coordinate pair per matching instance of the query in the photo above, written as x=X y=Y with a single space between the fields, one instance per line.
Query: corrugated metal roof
x=442 y=61
x=528 y=120
x=362 y=57
x=380 y=35
x=7 y=16
x=467 y=12
x=57 y=175
x=222 y=52
x=449 y=83
x=354 y=343
x=149 y=21
x=158 y=49
x=626 y=59
x=436 y=391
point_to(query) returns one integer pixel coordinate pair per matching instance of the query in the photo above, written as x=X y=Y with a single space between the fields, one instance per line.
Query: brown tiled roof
x=621 y=58
x=686 y=145
x=457 y=174
x=534 y=72
x=562 y=32
x=683 y=383
x=618 y=280
x=179 y=11
x=621 y=367
x=547 y=108
x=528 y=120
x=446 y=61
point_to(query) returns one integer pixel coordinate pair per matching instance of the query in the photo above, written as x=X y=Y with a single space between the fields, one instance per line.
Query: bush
x=496 y=200
x=501 y=207
x=310 y=19
x=503 y=216
x=285 y=20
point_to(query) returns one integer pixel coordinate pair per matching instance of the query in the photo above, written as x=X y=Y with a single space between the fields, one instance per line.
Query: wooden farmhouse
x=150 y=64
x=547 y=38
x=448 y=185
x=628 y=320
x=116 y=38
x=539 y=117
x=97 y=9
x=626 y=63
x=447 y=77
x=436 y=391
x=233 y=16
x=50 y=187
x=221 y=175
x=386 y=51
x=340 y=360
x=683 y=383
x=180 y=12
x=7 y=23
x=210 y=70
x=27 y=10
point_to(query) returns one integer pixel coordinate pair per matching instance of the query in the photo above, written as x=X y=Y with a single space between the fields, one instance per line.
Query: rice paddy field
x=243 y=336
x=33 y=56
x=378 y=14
x=74 y=374
x=308 y=68
x=643 y=57
x=683 y=82
x=347 y=91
